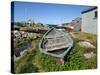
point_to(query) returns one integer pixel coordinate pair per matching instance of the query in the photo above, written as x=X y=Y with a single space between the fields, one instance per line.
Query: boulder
x=88 y=55
x=86 y=44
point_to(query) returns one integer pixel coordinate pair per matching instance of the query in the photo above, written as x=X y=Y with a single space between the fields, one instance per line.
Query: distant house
x=76 y=23
x=89 y=20
x=30 y=22
x=52 y=25
x=65 y=24
x=40 y=24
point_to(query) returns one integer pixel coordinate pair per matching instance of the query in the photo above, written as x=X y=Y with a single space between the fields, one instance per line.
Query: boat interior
x=55 y=41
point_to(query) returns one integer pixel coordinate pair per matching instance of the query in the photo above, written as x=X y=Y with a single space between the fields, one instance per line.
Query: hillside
x=35 y=61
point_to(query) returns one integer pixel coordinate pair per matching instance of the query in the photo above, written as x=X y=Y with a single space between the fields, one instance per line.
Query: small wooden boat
x=55 y=43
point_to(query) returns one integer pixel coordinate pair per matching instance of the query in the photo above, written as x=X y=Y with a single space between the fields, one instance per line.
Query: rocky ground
x=83 y=55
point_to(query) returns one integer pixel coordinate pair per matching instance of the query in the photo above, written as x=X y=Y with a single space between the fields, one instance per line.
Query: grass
x=82 y=36
x=24 y=64
x=35 y=61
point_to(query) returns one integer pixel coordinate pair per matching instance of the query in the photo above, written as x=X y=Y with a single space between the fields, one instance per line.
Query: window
x=95 y=14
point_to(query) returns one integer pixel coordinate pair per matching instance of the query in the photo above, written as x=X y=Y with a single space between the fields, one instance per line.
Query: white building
x=89 y=20
x=76 y=24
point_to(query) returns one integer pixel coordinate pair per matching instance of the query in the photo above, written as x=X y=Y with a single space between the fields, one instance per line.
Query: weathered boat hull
x=59 y=49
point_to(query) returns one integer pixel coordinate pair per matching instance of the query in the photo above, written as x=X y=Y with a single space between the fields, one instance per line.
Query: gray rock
x=88 y=55
x=86 y=44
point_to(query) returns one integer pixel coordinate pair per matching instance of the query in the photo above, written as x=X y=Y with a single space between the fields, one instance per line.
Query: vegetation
x=35 y=61
x=74 y=61
x=24 y=64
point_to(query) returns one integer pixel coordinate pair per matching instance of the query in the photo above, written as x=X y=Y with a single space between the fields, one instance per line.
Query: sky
x=46 y=13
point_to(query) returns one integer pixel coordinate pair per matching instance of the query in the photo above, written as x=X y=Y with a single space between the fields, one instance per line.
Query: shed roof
x=89 y=10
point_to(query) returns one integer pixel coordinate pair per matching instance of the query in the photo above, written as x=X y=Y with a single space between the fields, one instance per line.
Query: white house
x=89 y=20
x=76 y=24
